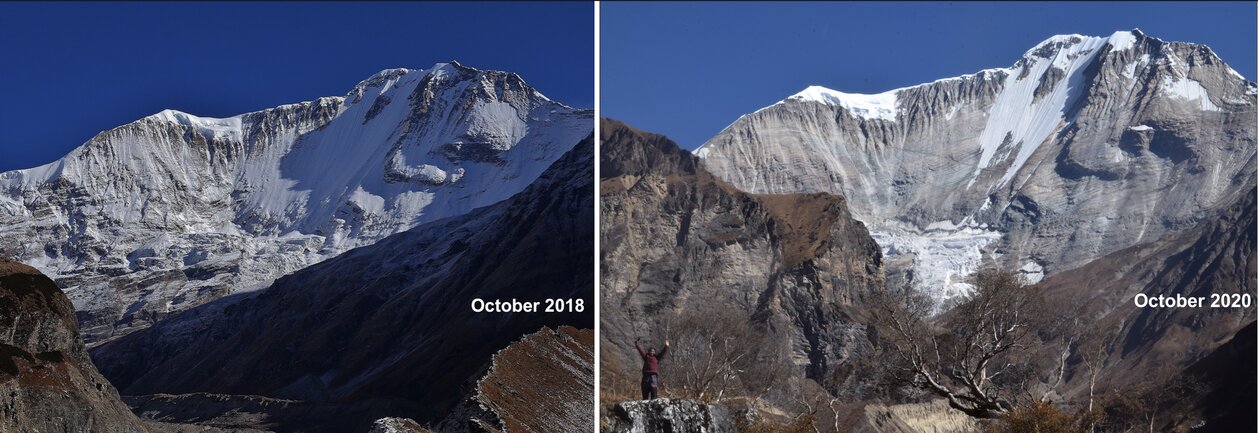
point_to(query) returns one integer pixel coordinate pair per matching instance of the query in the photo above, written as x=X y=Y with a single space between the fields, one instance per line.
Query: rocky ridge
x=543 y=383
x=397 y=425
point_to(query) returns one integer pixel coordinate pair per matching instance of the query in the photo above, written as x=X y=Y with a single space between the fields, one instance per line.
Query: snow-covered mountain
x=173 y=210
x=388 y=325
x=1084 y=146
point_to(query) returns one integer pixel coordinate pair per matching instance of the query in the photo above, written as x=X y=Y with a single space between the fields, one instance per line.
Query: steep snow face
x=1024 y=114
x=1084 y=146
x=174 y=209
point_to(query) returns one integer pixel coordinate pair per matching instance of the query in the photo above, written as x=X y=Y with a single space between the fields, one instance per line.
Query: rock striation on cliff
x=677 y=241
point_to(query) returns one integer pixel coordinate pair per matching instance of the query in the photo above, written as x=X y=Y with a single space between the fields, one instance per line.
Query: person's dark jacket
x=650 y=363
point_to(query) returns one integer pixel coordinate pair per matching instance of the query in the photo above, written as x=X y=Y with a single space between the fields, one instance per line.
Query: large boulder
x=47 y=382
x=669 y=416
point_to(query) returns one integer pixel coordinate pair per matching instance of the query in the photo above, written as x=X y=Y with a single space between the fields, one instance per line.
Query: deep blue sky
x=688 y=70
x=69 y=71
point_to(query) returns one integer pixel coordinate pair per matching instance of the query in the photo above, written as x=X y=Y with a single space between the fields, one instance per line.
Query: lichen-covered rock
x=47 y=382
x=665 y=415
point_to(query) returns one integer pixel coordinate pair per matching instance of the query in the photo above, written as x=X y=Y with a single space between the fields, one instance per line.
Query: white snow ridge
x=878 y=106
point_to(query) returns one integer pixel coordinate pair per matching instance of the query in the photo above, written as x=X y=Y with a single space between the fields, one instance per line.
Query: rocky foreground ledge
x=47 y=381
x=666 y=415
x=690 y=416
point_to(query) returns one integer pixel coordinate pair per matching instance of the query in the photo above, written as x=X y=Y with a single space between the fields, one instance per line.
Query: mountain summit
x=1084 y=146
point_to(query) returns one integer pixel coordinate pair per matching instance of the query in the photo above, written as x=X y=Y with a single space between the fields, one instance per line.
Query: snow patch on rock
x=1122 y=40
x=1032 y=272
x=396 y=425
x=1189 y=90
x=212 y=128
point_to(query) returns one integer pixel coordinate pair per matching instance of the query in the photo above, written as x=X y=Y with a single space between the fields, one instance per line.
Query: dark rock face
x=1231 y=371
x=1215 y=258
x=47 y=382
x=675 y=239
x=391 y=322
x=543 y=383
x=670 y=416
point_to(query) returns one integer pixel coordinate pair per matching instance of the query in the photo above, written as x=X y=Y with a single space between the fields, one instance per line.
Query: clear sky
x=71 y=70
x=687 y=70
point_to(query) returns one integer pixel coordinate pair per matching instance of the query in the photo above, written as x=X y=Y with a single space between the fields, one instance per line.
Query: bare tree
x=1094 y=351
x=1153 y=402
x=716 y=355
x=962 y=354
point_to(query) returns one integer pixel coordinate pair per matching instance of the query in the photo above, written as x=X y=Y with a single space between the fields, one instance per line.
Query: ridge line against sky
x=77 y=69
x=702 y=65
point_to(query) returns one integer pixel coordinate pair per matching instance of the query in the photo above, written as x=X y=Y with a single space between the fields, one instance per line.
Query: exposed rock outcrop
x=669 y=416
x=390 y=322
x=47 y=381
x=933 y=417
x=676 y=240
x=397 y=425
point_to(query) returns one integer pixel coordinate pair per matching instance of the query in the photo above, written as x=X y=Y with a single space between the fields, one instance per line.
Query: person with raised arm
x=650 y=369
